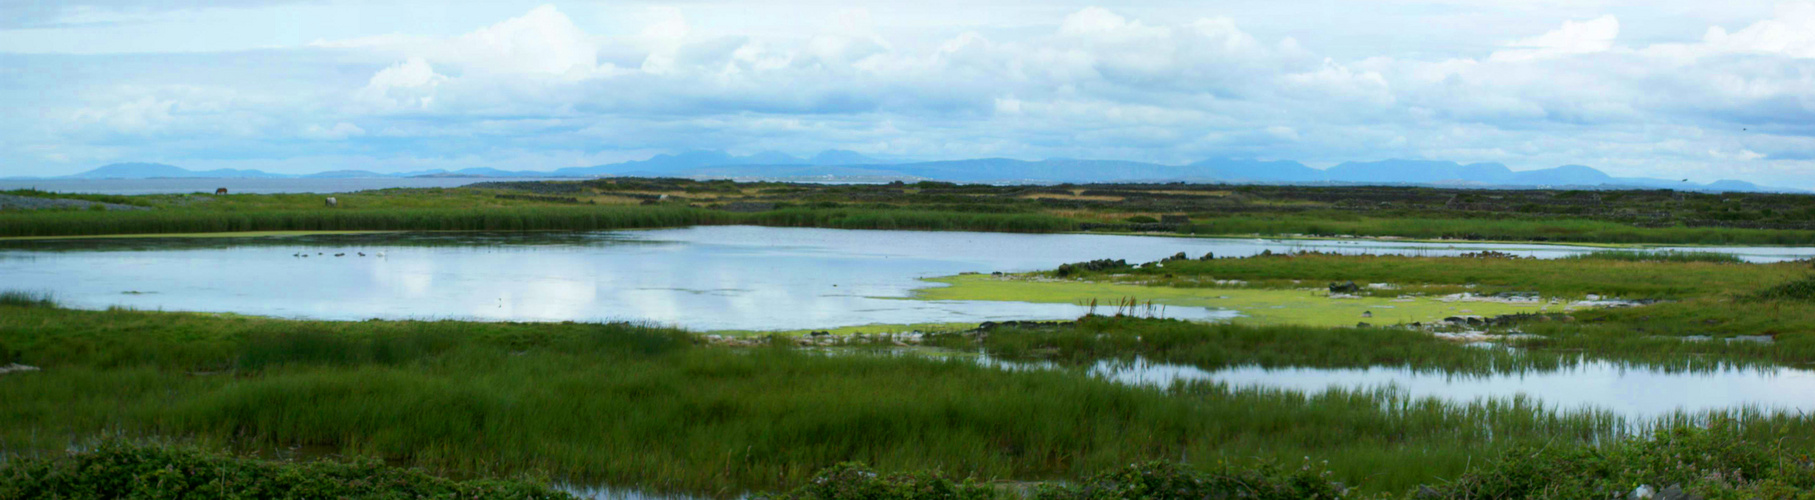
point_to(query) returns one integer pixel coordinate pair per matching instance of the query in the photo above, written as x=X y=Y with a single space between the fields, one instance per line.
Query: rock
x=17 y=368
x=1348 y=287
x=1425 y=491
x=1208 y=256
x=1095 y=265
x=1465 y=320
x=1363 y=325
x=1367 y=314
x=1643 y=491
x=820 y=334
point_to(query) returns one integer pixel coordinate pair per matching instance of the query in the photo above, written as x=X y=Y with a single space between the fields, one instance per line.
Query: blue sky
x=1670 y=88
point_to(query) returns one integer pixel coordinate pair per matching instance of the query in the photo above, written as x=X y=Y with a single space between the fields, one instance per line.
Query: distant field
x=1607 y=217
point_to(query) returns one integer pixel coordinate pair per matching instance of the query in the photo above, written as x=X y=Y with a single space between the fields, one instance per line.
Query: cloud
x=1585 y=37
x=543 y=41
x=562 y=88
x=407 y=85
x=1790 y=32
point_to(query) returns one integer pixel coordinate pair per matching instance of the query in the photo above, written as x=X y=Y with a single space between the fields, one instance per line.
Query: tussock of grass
x=21 y=298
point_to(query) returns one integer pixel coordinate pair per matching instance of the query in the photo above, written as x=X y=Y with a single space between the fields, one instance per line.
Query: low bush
x=115 y=470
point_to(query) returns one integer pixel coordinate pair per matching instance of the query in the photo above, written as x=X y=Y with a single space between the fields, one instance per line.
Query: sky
x=1654 y=88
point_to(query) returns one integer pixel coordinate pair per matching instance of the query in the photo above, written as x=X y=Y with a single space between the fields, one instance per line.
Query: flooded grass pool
x=1634 y=392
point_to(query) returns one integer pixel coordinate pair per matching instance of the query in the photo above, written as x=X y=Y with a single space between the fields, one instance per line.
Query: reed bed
x=631 y=404
x=1659 y=256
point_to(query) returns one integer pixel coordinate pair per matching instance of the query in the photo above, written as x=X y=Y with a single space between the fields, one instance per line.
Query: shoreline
x=1285 y=237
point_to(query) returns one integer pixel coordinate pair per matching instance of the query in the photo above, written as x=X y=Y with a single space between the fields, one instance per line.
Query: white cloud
x=543 y=41
x=407 y=85
x=1585 y=37
x=1791 y=32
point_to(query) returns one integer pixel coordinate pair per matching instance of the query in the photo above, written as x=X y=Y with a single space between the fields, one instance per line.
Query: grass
x=1615 y=277
x=1800 y=289
x=525 y=218
x=19 y=298
x=1216 y=346
x=1614 y=217
x=125 y=470
x=1562 y=230
x=1679 y=462
x=1716 y=313
x=626 y=404
x=1257 y=305
x=230 y=234
x=1659 y=256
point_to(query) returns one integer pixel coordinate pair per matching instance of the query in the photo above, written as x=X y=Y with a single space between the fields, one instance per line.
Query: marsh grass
x=21 y=298
x=1659 y=256
x=634 y=405
x=1613 y=277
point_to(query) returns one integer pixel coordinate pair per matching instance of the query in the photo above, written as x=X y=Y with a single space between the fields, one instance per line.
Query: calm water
x=160 y=186
x=704 y=278
x=1634 y=392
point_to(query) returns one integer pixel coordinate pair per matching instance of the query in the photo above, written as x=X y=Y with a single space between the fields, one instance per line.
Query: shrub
x=854 y=482
x=1800 y=289
x=115 y=470
x=1716 y=462
x=1169 y=480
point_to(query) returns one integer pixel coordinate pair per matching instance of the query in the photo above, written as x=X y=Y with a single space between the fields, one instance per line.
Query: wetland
x=721 y=342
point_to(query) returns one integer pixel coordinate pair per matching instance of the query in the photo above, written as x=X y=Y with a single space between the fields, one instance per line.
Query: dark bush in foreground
x=854 y=482
x=1153 y=480
x=1156 y=480
x=1680 y=463
x=155 y=472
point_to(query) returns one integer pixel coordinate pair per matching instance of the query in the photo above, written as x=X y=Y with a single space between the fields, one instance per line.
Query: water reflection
x=719 y=277
x=1635 y=392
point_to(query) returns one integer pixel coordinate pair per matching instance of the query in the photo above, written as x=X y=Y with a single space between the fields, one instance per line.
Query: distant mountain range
x=848 y=165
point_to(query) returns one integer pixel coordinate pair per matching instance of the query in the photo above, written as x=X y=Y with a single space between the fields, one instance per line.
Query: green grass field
x=610 y=204
x=632 y=405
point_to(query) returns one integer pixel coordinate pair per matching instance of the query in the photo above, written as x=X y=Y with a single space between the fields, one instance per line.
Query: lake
x=702 y=278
